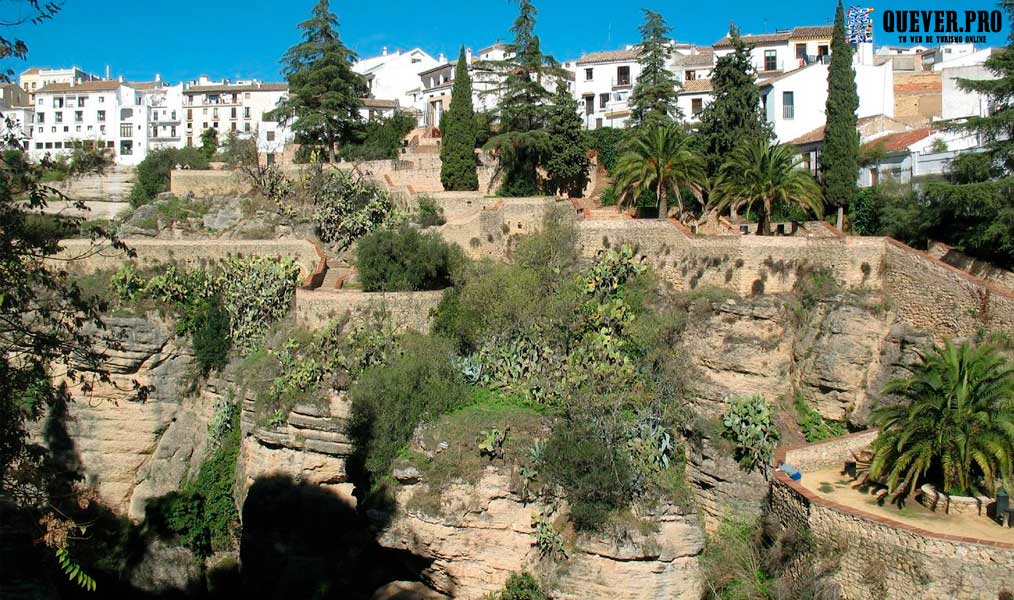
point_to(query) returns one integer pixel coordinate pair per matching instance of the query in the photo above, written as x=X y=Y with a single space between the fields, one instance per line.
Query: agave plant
x=955 y=425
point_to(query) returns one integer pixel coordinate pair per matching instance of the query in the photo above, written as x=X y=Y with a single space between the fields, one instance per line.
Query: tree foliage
x=153 y=172
x=954 y=426
x=659 y=160
x=735 y=114
x=757 y=173
x=380 y=139
x=209 y=142
x=655 y=94
x=324 y=92
x=458 y=130
x=567 y=163
x=349 y=206
x=840 y=155
x=401 y=259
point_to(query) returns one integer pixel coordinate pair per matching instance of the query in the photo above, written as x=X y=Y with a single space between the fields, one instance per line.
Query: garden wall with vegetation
x=878 y=557
x=189 y=253
x=409 y=310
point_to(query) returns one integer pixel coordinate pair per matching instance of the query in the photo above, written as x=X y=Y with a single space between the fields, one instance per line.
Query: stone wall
x=190 y=253
x=972 y=266
x=205 y=183
x=918 y=96
x=409 y=310
x=878 y=557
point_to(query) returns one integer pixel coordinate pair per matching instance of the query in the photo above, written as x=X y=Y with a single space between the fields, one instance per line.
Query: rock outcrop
x=484 y=532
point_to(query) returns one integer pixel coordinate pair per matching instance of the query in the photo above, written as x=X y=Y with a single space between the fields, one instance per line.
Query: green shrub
x=256 y=292
x=748 y=424
x=401 y=259
x=733 y=563
x=349 y=206
x=429 y=213
x=815 y=427
x=238 y=152
x=211 y=339
x=607 y=142
x=380 y=139
x=521 y=586
x=203 y=514
x=153 y=171
x=390 y=400
x=865 y=211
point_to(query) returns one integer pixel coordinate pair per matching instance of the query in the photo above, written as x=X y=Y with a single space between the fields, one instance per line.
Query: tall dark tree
x=458 y=133
x=840 y=155
x=519 y=81
x=567 y=163
x=324 y=92
x=735 y=114
x=655 y=95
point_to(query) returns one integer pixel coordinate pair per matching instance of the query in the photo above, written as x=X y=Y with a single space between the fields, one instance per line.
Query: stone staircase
x=604 y=213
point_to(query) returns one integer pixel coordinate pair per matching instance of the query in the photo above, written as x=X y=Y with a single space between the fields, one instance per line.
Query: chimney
x=120 y=79
x=468 y=56
x=107 y=73
x=441 y=59
x=384 y=51
x=158 y=77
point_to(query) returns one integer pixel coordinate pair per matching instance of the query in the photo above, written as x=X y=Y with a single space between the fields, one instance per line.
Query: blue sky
x=245 y=38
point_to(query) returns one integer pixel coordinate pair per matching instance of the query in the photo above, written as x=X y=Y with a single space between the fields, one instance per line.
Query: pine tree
x=997 y=129
x=519 y=83
x=840 y=155
x=324 y=92
x=458 y=132
x=735 y=114
x=656 y=92
x=567 y=163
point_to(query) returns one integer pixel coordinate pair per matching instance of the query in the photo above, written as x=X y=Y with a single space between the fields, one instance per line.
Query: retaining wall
x=881 y=558
x=408 y=310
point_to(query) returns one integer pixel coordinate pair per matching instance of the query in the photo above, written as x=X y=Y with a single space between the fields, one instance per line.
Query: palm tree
x=757 y=173
x=955 y=425
x=659 y=159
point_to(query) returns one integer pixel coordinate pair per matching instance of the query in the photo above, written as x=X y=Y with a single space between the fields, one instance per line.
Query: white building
x=794 y=103
x=105 y=114
x=603 y=82
x=977 y=57
x=17 y=116
x=395 y=75
x=946 y=53
x=785 y=50
x=694 y=96
x=227 y=107
x=958 y=103
x=36 y=78
x=433 y=98
x=163 y=113
x=900 y=50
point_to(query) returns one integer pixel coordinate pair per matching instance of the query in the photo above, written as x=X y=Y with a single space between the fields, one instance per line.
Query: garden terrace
x=897 y=551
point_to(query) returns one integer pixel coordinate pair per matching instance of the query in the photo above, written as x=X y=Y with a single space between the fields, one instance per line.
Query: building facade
x=36 y=78
x=433 y=97
x=395 y=75
x=227 y=107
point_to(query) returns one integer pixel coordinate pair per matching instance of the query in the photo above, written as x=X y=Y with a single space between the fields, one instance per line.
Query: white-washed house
x=395 y=75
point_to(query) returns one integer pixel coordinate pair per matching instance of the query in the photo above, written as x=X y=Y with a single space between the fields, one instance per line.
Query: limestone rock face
x=484 y=534
x=138 y=434
x=722 y=487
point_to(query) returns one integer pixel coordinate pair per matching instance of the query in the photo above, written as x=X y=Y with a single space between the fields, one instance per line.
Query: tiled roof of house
x=380 y=103
x=766 y=81
x=610 y=56
x=705 y=58
x=899 y=141
x=232 y=87
x=797 y=33
x=30 y=71
x=146 y=85
x=696 y=86
x=82 y=86
x=818 y=134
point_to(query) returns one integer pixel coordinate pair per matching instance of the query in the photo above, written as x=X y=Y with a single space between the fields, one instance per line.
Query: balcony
x=621 y=82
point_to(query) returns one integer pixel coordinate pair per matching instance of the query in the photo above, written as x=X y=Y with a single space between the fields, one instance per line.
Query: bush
x=607 y=142
x=402 y=259
x=595 y=474
x=211 y=339
x=153 y=171
x=522 y=586
x=815 y=428
x=380 y=140
x=390 y=400
x=733 y=564
x=349 y=206
x=238 y=152
x=429 y=213
x=748 y=424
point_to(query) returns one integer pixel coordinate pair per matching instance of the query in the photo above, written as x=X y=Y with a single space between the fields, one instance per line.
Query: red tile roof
x=897 y=142
x=696 y=86
x=610 y=56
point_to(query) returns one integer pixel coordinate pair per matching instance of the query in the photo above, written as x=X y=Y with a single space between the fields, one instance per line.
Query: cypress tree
x=735 y=114
x=458 y=131
x=522 y=142
x=655 y=94
x=567 y=163
x=840 y=155
x=324 y=92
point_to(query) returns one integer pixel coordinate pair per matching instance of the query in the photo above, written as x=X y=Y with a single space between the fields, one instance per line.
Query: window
x=215 y=124
x=59 y=117
x=589 y=105
x=770 y=60
x=246 y=126
x=801 y=51
x=38 y=145
x=190 y=114
x=589 y=74
x=246 y=112
x=102 y=129
x=102 y=99
x=205 y=110
x=205 y=126
x=233 y=128
x=696 y=106
x=58 y=145
x=603 y=100
x=125 y=130
x=173 y=118
x=126 y=113
x=271 y=136
x=77 y=129
x=623 y=75
x=42 y=117
x=233 y=112
x=214 y=114
x=109 y=144
x=247 y=95
x=82 y=101
x=690 y=76
x=78 y=116
x=126 y=147
x=190 y=142
x=49 y=145
x=57 y=102
x=172 y=131
x=788 y=105
x=100 y=116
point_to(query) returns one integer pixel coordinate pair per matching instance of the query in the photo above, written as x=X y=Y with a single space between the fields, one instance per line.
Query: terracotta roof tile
x=817 y=134
x=696 y=86
x=899 y=141
x=701 y=59
x=609 y=56
x=812 y=31
x=83 y=86
x=797 y=33
x=379 y=103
